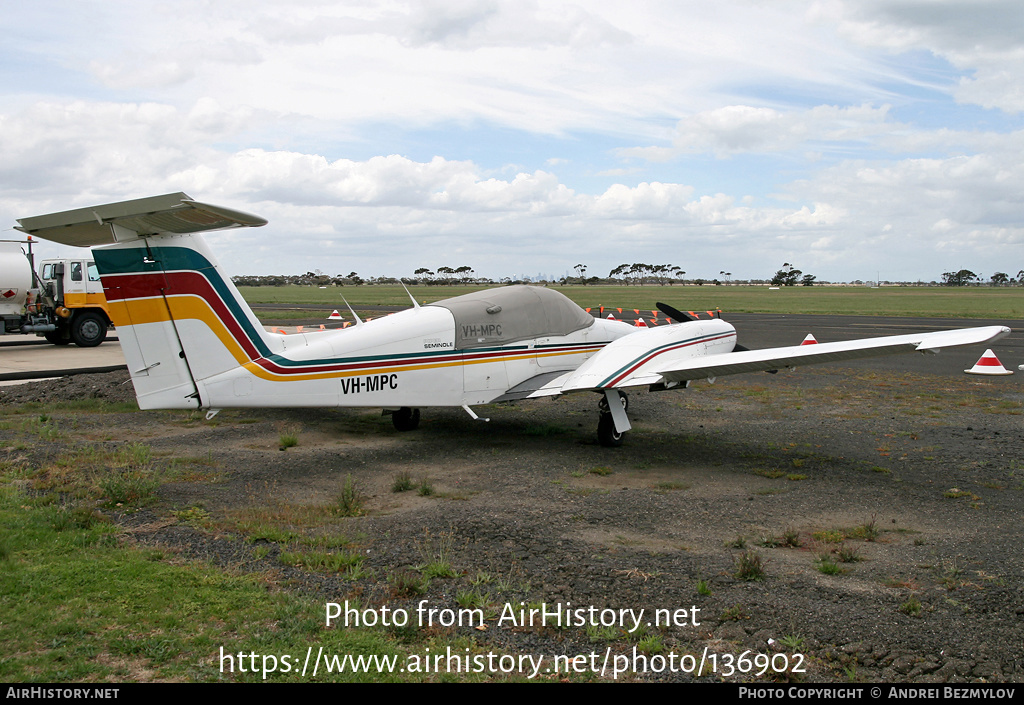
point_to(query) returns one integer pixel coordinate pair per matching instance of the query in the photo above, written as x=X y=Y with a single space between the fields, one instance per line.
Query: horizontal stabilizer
x=174 y=213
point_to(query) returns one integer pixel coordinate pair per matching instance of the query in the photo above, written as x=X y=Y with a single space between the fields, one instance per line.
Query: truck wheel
x=88 y=330
x=56 y=337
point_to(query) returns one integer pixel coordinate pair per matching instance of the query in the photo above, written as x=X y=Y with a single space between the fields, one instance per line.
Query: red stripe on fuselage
x=191 y=283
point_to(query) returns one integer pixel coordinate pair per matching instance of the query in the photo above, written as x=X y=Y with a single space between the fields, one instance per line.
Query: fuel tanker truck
x=62 y=302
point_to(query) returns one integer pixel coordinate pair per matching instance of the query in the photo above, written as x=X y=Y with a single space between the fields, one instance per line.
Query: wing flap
x=542 y=385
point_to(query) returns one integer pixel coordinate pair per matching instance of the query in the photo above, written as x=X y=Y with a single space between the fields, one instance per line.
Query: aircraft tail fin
x=179 y=319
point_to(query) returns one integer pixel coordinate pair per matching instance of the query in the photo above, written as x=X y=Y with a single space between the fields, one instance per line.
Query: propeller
x=675 y=313
x=682 y=316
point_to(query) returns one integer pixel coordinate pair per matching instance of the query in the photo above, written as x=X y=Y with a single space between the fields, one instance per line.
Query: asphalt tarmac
x=27 y=357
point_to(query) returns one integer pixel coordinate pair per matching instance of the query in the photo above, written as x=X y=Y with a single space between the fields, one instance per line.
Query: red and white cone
x=335 y=316
x=640 y=323
x=988 y=364
x=809 y=340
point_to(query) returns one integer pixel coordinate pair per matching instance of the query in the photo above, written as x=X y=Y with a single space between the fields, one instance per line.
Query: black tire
x=88 y=329
x=56 y=337
x=606 y=433
x=406 y=419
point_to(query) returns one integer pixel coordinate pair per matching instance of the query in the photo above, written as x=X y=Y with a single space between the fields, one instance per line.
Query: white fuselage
x=405 y=359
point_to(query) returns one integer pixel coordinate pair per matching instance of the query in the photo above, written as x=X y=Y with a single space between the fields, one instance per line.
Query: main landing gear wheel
x=406 y=419
x=606 y=433
x=607 y=436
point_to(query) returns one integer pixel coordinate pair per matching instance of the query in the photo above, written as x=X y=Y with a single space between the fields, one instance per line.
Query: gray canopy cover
x=512 y=313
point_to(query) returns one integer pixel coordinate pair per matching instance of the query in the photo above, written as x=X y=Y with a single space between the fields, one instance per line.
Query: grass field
x=936 y=302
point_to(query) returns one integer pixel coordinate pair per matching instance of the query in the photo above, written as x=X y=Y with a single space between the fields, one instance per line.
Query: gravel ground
x=922 y=475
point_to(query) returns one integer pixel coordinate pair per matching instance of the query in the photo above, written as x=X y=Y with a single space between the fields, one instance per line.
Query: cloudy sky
x=852 y=138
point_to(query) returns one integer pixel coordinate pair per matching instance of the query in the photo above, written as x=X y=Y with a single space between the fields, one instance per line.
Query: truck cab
x=82 y=316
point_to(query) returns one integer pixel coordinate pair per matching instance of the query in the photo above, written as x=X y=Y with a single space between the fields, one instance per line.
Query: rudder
x=179 y=320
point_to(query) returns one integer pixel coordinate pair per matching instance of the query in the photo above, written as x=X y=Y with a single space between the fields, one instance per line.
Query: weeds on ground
x=792 y=642
x=481 y=578
x=734 y=614
x=426 y=487
x=408 y=583
x=957 y=493
x=651 y=644
x=471 y=599
x=436 y=554
x=403 y=482
x=193 y=516
x=828 y=536
x=867 y=531
x=749 y=566
x=598 y=634
x=77 y=517
x=350 y=502
x=827 y=565
x=848 y=554
x=911 y=607
x=790 y=538
x=331 y=562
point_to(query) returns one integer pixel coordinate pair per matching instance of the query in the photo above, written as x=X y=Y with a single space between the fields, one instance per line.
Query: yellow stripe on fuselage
x=189 y=306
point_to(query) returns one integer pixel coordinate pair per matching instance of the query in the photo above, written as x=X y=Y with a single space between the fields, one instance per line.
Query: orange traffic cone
x=988 y=364
x=809 y=340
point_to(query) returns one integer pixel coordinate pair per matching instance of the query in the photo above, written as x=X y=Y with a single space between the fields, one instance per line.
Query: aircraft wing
x=632 y=365
x=797 y=355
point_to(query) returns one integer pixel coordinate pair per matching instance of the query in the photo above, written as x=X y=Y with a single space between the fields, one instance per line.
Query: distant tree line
x=444 y=276
x=791 y=276
x=640 y=273
x=636 y=274
x=966 y=277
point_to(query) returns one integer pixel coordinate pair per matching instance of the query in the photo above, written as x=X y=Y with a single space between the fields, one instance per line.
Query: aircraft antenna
x=353 y=311
x=414 y=304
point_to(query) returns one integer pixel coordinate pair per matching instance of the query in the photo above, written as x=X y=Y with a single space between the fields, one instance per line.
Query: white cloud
x=744 y=128
x=979 y=37
x=264 y=106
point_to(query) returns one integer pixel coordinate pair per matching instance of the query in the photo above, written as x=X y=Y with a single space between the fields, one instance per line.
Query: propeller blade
x=675 y=313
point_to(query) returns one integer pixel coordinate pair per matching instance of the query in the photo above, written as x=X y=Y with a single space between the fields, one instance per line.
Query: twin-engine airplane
x=191 y=342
